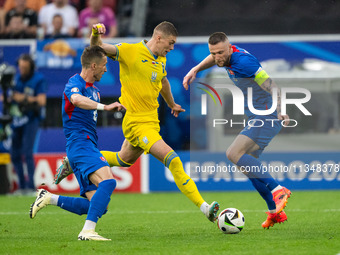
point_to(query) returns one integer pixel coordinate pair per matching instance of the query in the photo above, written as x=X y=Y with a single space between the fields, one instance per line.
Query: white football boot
x=90 y=235
x=43 y=199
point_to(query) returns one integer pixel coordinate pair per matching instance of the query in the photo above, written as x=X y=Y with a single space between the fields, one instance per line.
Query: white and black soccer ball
x=230 y=221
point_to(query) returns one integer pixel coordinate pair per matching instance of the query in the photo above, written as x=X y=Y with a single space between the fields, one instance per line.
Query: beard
x=97 y=77
x=223 y=63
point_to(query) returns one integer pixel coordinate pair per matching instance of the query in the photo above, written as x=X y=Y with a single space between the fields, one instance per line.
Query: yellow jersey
x=141 y=74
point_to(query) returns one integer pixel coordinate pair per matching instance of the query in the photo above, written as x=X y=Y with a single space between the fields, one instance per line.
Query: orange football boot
x=274 y=218
x=280 y=198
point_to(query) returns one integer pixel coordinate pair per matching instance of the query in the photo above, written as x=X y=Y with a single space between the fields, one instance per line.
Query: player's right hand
x=115 y=107
x=189 y=78
x=98 y=29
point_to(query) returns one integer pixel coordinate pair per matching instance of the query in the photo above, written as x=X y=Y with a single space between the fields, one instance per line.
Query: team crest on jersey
x=75 y=89
x=95 y=97
x=145 y=140
x=103 y=159
x=153 y=76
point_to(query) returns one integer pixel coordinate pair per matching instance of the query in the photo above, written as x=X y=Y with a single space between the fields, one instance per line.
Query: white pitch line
x=179 y=211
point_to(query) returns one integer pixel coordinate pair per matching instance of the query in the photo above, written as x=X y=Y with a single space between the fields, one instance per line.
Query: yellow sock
x=185 y=184
x=113 y=159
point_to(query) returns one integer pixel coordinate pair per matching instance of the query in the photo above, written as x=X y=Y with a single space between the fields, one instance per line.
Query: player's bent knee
x=100 y=175
x=131 y=161
x=127 y=160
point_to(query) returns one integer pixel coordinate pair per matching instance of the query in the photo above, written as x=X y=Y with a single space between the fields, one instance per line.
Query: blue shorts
x=84 y=158
x=262 y=130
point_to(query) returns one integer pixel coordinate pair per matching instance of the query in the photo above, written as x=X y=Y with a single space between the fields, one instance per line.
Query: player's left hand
x=176 y=110
x=114 y=107
x=285 y=118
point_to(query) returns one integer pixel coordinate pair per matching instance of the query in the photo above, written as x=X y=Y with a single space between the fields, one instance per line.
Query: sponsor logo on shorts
x=103 y=159
x=145 y=140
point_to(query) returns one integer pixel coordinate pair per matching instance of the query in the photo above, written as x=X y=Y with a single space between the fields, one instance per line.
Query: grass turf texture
x=168 y=223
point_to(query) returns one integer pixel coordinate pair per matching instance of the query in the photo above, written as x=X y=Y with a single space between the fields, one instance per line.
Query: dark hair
x=166 y=28
x=27 y=57
x=91 y=54
x=217 y=37
x=57 y=16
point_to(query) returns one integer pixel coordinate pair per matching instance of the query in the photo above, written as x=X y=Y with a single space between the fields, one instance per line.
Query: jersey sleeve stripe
x=115 y=58
x=69 y=107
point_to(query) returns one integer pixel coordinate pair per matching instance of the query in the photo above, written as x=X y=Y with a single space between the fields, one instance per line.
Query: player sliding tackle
x=245 y=71
x=143 y=76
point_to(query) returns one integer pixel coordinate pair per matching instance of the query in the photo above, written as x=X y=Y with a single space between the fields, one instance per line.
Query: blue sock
x=76 y=205
x=264 y=192
x=254 y=170
x=101 y=199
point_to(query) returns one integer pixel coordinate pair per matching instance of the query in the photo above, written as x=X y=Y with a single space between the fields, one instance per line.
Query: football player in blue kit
x=81 y=101
x=245 y=71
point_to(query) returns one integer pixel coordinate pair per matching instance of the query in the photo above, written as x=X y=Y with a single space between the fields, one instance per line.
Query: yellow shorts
x=142 y=129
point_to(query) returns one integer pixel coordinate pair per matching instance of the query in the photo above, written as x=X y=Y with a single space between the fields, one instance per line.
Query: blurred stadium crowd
x=41 y=19
x=73 y=18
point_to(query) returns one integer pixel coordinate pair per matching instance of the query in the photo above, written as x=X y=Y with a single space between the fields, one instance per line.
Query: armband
x=261 y=77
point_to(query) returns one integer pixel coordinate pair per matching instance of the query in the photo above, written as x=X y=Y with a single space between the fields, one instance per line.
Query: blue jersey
x=34 y=86
x=246 y=71
x=77 y=122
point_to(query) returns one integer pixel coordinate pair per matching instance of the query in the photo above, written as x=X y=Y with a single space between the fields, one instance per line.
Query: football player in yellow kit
x=143 y=77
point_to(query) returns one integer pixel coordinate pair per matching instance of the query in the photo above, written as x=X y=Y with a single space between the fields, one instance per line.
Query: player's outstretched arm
x=169 y=99
x=269 y=85
x=87 y=104
x=191 y=75
x=98 y=30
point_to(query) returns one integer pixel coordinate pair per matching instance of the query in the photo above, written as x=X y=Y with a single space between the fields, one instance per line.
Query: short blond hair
x=166 y=28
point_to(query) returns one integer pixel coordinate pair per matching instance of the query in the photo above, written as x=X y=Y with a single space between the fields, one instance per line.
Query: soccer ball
x=230 y=221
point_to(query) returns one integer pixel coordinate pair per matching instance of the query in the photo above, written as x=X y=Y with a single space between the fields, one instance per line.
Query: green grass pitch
x=168 y=223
